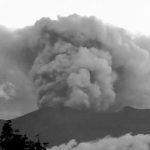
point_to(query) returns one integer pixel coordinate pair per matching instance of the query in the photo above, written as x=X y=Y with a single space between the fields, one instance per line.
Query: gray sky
x=130 y=14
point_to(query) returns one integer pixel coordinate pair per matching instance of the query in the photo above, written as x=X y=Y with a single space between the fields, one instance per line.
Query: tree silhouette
x=11 y=139
x=38 y=145
x=6 y=135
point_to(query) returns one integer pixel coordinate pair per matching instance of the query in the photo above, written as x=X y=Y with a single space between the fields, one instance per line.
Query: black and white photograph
x=74 y=74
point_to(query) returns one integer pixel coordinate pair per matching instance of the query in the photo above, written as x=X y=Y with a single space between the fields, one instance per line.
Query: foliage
x=12 y=139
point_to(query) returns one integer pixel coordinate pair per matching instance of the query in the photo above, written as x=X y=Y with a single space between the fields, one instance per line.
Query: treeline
x=12 y=139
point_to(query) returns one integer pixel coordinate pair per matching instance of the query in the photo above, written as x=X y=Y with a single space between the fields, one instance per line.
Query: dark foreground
x=57 y=126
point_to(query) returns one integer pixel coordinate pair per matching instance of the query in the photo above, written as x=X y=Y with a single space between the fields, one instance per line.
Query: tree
x=12 y=139
x=38 y=145
x=6 y=135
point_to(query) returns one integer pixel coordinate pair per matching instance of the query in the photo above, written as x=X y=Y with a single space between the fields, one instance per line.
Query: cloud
x=83 y=62
x=77 y=62
x=126 y=142
x=17 y=96
x=7 y=90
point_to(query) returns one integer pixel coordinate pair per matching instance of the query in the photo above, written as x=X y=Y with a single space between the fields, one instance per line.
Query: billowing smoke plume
x=81 y=62
x=126 y=142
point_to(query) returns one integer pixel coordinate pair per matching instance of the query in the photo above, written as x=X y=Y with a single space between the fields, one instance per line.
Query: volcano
x=59 y=125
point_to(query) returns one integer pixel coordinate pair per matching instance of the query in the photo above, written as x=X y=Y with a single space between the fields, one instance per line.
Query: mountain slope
x=61 y=125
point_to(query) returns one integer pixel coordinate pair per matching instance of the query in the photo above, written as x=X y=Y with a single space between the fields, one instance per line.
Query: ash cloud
x=79 y=62
x=85 y=63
